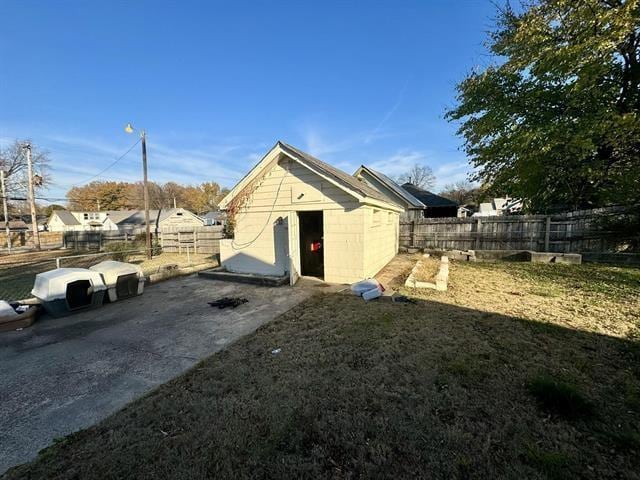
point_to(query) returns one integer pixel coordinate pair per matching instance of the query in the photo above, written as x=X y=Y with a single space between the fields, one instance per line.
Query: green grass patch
x=555 y=465
x=559 y=397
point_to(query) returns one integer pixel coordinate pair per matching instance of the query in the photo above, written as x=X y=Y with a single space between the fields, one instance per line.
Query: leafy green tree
x=556 y=120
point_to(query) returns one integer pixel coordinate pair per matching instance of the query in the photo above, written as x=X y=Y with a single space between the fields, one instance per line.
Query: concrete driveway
x=62 y=375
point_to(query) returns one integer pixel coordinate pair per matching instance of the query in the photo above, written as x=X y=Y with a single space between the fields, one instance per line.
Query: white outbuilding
x=294 y=214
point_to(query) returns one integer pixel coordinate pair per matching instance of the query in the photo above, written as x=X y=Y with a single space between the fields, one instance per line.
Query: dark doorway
x=127 y=285
x=79 y=294
x=311 y=244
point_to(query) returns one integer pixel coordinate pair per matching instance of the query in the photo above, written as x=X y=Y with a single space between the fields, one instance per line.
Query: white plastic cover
x=364 y=286
x=52 y=285
x=6 y=310
x=111 y=270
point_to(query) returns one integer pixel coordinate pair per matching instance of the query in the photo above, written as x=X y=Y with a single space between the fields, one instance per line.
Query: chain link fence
x=18 y=271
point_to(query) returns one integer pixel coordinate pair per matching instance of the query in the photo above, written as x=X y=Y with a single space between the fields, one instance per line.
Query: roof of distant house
x=66 y=217
x=136 y=217
x=215 y=215
x=17 y=225
x=429 y=199
x=393 y=186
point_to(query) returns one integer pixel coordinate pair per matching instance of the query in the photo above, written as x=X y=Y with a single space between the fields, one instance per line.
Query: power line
x=108 y=167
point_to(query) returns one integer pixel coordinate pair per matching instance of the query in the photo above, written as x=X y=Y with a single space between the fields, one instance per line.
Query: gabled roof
x=17 y=225
x=66 y=217
x=117 y=216
x=391 y=185
x=136 y=217
x=357 y=188
x=429 y=199
x=214 y=215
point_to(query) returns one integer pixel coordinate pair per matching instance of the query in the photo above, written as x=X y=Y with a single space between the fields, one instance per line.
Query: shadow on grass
x=378 y=390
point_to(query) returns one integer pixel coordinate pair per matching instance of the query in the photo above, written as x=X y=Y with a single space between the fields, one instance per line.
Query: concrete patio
x=62 y=375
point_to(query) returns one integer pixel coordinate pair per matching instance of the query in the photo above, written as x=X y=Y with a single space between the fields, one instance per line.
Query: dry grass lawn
x=518 y=371
x=428 y=269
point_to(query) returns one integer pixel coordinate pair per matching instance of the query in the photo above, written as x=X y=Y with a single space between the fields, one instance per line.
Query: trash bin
x=123 y=280
x=66 y=290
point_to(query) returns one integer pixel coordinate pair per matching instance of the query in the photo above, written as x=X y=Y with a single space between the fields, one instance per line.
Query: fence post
x=195 y=241
x=179 y=245
x=413 y=233
x=477 y=243
x=547 y=233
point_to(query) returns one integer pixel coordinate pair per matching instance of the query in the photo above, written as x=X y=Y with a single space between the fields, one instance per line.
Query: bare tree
x=463 y=192
x=419 y=175
x=14 y=163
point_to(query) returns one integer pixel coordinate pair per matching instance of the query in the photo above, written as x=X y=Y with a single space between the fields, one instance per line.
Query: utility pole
x=174 y=201
x=145 y=184
x=32 y=199
x=6 y=214
x=145 y=187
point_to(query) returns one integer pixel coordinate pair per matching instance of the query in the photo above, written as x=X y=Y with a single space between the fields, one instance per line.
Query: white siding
x=381 y=238
x=292 y=187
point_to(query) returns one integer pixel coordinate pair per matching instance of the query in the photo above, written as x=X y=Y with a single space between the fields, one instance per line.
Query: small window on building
x=86 y=216
x=179 y=214
x=376 y=217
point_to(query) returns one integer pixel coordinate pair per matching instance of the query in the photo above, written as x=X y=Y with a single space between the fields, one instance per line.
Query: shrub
x=559 y=397
x=120 y=250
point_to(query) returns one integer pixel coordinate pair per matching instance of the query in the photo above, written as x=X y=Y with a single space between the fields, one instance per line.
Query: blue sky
x=216 y=84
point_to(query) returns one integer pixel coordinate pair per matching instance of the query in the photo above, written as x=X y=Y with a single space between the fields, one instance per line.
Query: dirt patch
x=394 y=274
x=428 y=269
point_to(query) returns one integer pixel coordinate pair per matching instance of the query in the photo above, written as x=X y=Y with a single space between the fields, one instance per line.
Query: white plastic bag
x=6 y=310
x=371 y=294
x=359 y=288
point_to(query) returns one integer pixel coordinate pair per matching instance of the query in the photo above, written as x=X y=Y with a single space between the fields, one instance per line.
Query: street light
x=145 y=188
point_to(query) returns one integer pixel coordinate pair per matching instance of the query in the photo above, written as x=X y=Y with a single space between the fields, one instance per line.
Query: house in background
x=465 y=211
x=417 y=203
x=132 y=221
x=499 y=206
x=65 y=221
x=215 y=217
x=16 y=226
x=129 y=221
x=435 y=206
x=413 y=208
x=297 y=215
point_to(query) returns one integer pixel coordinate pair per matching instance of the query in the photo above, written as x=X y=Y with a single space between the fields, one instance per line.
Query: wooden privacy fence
x=563 y=233
x=204 y=240
x=25 y=239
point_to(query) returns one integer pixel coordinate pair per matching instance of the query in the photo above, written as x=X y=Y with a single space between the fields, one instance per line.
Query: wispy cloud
x=75 y=160
x=400 y=162
x=373 y=134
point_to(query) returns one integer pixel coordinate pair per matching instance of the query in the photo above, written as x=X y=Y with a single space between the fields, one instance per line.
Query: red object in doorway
x=315 y=246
